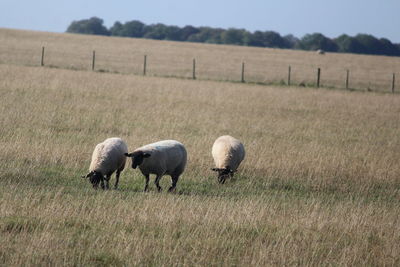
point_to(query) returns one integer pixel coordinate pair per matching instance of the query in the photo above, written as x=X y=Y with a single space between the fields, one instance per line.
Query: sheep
x=320 y=52
x=228 y=153
x=166 y=157
x=107 y=157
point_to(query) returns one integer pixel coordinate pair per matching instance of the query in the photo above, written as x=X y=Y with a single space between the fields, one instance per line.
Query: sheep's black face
x=136 y=161
x=223 y=174
x=137 y=158
x=95 y=179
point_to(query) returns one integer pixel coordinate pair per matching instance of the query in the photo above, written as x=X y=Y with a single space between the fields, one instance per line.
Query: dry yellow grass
x=319 y=186
x=57 y=228
x=215 y=62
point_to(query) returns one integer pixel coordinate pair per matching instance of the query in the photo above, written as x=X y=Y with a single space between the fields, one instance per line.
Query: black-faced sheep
x=107 y=157
x=166 y=157
x=228 y=153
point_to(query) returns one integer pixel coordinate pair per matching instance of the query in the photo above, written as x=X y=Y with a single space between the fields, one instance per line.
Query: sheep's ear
x=128 y=155
x=146 y=155
x=214 y=169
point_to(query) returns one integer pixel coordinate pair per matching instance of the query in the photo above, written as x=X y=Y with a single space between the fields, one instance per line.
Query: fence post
x=194 y=69
x=144 y=65
x=347 y=79
x=318 y=77
x=42 y=60
x=242 y=72
x=393 y=82
x=93 y=59
x=289 y=73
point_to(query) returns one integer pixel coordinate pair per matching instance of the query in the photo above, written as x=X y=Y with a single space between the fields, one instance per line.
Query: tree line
x=359 y=44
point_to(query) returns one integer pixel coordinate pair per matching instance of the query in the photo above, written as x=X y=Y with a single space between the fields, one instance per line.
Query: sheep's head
x=137 y=157
x=94 y=178
x=223 y=174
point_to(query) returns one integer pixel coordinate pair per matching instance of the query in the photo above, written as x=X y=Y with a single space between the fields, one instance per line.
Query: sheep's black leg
x=117 y=179
x=102 y=183
x=108 y=177
x=157 y=182
x=174 y=181
x=146 y=187
x=231 y=176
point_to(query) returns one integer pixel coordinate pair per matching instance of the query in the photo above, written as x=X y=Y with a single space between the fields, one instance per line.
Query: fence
x=253 y=70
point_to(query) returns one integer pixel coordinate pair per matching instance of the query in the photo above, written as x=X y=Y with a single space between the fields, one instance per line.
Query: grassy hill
x=213 y=62
x=319 y=185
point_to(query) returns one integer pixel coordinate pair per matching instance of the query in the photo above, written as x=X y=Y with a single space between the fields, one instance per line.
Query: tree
x=388 y=48
x=155 y=31
x=207 y=35
x=348 y=44
x=132 y=28
x=93 y=25
x=188 y=31
x=370 y=45
x=234 y=36
x=116 y=29
x=267 y=39
x=361 y=43
x=366 y=44
x=317 y=41
x=173 y=33
x=290 y=41
x=257 y=39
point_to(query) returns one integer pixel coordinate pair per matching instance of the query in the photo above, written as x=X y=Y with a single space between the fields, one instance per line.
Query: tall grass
x=117 y=228
x=319 y=185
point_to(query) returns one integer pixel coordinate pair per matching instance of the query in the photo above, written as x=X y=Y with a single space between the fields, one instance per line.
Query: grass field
x=320 y=184
x=213 y=62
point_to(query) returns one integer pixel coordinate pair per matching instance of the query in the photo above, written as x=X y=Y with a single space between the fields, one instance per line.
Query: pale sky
x=380 y=18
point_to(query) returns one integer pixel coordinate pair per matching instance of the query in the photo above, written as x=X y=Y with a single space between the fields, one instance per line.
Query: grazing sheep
x=320 y=52
x=166 y=157
x=228 y=153
x=107 y=157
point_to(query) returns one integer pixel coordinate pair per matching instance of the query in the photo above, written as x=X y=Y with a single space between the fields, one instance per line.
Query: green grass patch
x=18 y=224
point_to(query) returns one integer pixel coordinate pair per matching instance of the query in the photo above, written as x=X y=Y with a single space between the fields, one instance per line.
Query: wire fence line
x=238 y=69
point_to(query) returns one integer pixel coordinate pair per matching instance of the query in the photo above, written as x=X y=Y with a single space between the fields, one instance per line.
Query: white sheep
x=166 y=157
x=107 y=157
x=228 y=153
